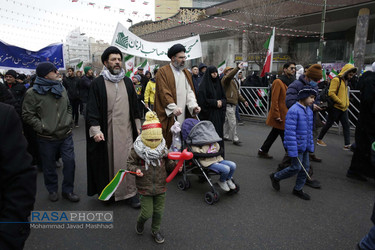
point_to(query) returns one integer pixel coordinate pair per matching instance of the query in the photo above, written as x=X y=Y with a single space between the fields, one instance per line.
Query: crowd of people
x=46 y=108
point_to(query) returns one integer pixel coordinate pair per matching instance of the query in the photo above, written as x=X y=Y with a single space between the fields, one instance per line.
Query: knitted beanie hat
x=306 y=91
x=315 y=72
x=138 y=77
x=44 y=68
x=151 y=129
x=86 y=69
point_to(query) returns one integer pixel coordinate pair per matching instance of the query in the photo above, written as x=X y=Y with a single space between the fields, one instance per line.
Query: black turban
x=176 y=49
x=110 y=50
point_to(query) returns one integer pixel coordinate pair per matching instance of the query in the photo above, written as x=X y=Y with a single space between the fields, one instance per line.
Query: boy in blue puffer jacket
x=298 y=141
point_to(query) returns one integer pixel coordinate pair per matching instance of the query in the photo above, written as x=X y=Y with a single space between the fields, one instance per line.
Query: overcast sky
x=34 y=24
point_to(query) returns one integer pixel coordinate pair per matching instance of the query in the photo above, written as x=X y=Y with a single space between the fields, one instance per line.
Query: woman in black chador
x=212 y=100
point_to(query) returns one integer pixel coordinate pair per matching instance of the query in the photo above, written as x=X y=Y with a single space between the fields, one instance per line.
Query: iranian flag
x=258 y=103
x=332 y=74
x=107 y=7
x=144 y=65
x=269 y=45
x=221 y=67
x=324 y=73
x=153 y=67
x=113 y=185
x=262 y=92
x=92 y=4
x=129 y=65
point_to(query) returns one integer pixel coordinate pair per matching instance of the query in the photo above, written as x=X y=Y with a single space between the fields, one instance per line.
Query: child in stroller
x=202 y=139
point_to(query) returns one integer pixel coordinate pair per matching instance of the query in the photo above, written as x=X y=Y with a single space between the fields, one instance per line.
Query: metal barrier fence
x=260 y=103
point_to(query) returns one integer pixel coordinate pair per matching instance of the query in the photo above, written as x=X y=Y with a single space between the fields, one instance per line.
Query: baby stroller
x=200 y=133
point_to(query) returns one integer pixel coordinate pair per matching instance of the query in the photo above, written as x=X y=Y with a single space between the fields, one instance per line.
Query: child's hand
x=180 y=169
x=139 y=173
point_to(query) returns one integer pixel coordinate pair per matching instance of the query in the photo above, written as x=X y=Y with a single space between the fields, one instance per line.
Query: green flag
x=351 y=60
x=128 y=57
x=79 y=65
x=324 y=75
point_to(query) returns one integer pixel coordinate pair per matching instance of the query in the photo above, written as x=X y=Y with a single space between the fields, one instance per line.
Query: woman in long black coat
x=212 y=100
x=361 y=164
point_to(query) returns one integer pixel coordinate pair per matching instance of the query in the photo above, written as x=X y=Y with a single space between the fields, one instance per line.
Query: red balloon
x=181 y=157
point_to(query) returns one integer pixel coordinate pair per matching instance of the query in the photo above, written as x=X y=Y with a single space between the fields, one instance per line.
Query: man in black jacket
x=17 y=181
x=71 y=84
x=18 y=89
x=84 y=86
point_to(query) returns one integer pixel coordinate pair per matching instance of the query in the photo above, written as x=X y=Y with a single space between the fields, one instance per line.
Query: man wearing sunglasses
x=47 y=110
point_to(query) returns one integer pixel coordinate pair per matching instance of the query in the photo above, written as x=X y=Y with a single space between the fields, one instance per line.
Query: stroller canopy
x=199 y=133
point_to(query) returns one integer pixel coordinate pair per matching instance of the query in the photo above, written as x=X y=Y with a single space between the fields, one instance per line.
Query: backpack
x=324 y=95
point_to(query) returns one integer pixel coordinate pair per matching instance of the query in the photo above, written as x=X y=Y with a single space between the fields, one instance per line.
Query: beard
x=178 y=66
x=113 y=70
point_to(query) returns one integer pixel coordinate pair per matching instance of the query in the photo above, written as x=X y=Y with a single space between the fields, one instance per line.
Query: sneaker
x=241 y=123
x=77 y=126
x=231 y=184
x=139 y=228
x=313 y=183
x=224 y=186
x=226 y=139
x=321 y=143
x=237 y=143
x=301 y=194
x=347 y=147
x=264 y=155
x=158 y=237
x=275 y=183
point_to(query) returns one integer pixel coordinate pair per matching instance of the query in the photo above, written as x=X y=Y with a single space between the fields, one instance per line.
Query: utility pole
x=321 y=42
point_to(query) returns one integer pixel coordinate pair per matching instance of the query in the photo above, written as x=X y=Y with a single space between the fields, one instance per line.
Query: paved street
x=258 y=217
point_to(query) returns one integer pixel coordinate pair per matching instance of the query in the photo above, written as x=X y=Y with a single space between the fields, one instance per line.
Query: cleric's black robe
x=97 y=152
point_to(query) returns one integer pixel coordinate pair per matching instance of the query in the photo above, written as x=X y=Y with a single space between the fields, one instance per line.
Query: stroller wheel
x=181 y=184
x=216 y=196
x=187 y=184
x=209 y=198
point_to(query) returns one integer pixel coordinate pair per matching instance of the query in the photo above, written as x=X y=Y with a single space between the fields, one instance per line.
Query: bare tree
x=260 y=17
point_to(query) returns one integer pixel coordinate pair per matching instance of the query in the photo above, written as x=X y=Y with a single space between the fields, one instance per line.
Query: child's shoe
x=139 y=228
x=231 y=184
x=158 y=237
x=224 y=186
x=301 y=194
x=275 y=183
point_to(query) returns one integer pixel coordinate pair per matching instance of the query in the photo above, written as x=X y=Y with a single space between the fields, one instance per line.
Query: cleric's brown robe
x=165 y=94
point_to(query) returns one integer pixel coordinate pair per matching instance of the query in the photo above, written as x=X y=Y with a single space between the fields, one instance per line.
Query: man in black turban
x=170 y=103
x=112 y=121
x=176 y=49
